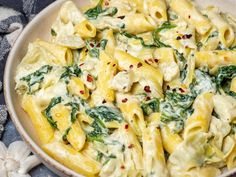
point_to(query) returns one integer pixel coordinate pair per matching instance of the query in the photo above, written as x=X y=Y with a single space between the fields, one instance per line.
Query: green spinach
x=203 y=82
x=150 y=106
x=53 y=32
x=36 y=77
x=71 y=71
x=95 y=12
x=224 y=76
x=176 y=108
x=47 y=111
x=182 y=62
x=225 y=73
x=179 y=100
x=101 y=114
x=155 y=34
x=212 y=35
x=128 y=35
x=64 y=137
x=104 y=113
x=74 y=111
x=98 y=132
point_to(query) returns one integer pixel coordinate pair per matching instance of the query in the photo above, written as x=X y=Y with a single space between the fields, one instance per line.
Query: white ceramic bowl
x=40 y=27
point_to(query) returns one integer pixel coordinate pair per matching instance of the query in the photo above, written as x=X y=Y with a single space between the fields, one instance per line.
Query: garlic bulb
x=16 y=161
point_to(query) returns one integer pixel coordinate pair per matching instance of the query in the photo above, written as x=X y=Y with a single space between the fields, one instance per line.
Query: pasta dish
x=135 y=88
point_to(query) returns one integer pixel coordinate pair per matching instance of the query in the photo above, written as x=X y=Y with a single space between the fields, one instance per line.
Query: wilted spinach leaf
x=224 y=76
x=155 y=34
x=105 y=113
x=150 y=106
x=36 y=77
x=47 y=111
x=96 y=11
x=71 y=71
x=203 y=82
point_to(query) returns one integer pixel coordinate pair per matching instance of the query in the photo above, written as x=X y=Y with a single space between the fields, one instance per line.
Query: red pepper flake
x=81 y=64
x=121 y=17
x=122 y=167
x=146 y=62
x=148 y=98
x=89 y=78
x=181 y=90
x=104 y=101
x=131 y=66
x=178 y=38
x=114 y=65
x=187 y=36
x=139 y=65
x=81 y=92
x=150 y=60
x=156 y=60
x=124 y=100
x=147 y=89
x=91 y=44
x=106 y=3
x=126 y=126
x=130 y=146
x=108 y=63
x=98 y=45
x=189 y=16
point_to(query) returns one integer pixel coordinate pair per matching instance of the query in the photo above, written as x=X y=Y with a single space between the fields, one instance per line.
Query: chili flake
x=156 y=60
x=89 y=78
x=126 y=126
x=147 y=89
x=124 y=100
x=181 y=90
x=139 y=65
x=131 y=66
x=130 y=146
x=121 y=17
x=148 y=98
x=122 y=167
x=81 y=92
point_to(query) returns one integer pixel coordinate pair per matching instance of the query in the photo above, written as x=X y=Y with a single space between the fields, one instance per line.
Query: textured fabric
x=14 y=15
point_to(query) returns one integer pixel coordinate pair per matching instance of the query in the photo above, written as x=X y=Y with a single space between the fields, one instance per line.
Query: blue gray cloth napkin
x=14 y=15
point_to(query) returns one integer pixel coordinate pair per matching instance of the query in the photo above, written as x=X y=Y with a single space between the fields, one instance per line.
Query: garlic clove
x=3 y=150
x=14 y=174
x=11 y=165
x=28 y=164
x=18 y=150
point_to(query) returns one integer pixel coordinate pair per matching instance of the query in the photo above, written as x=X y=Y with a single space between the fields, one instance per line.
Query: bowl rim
x=44 y=157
